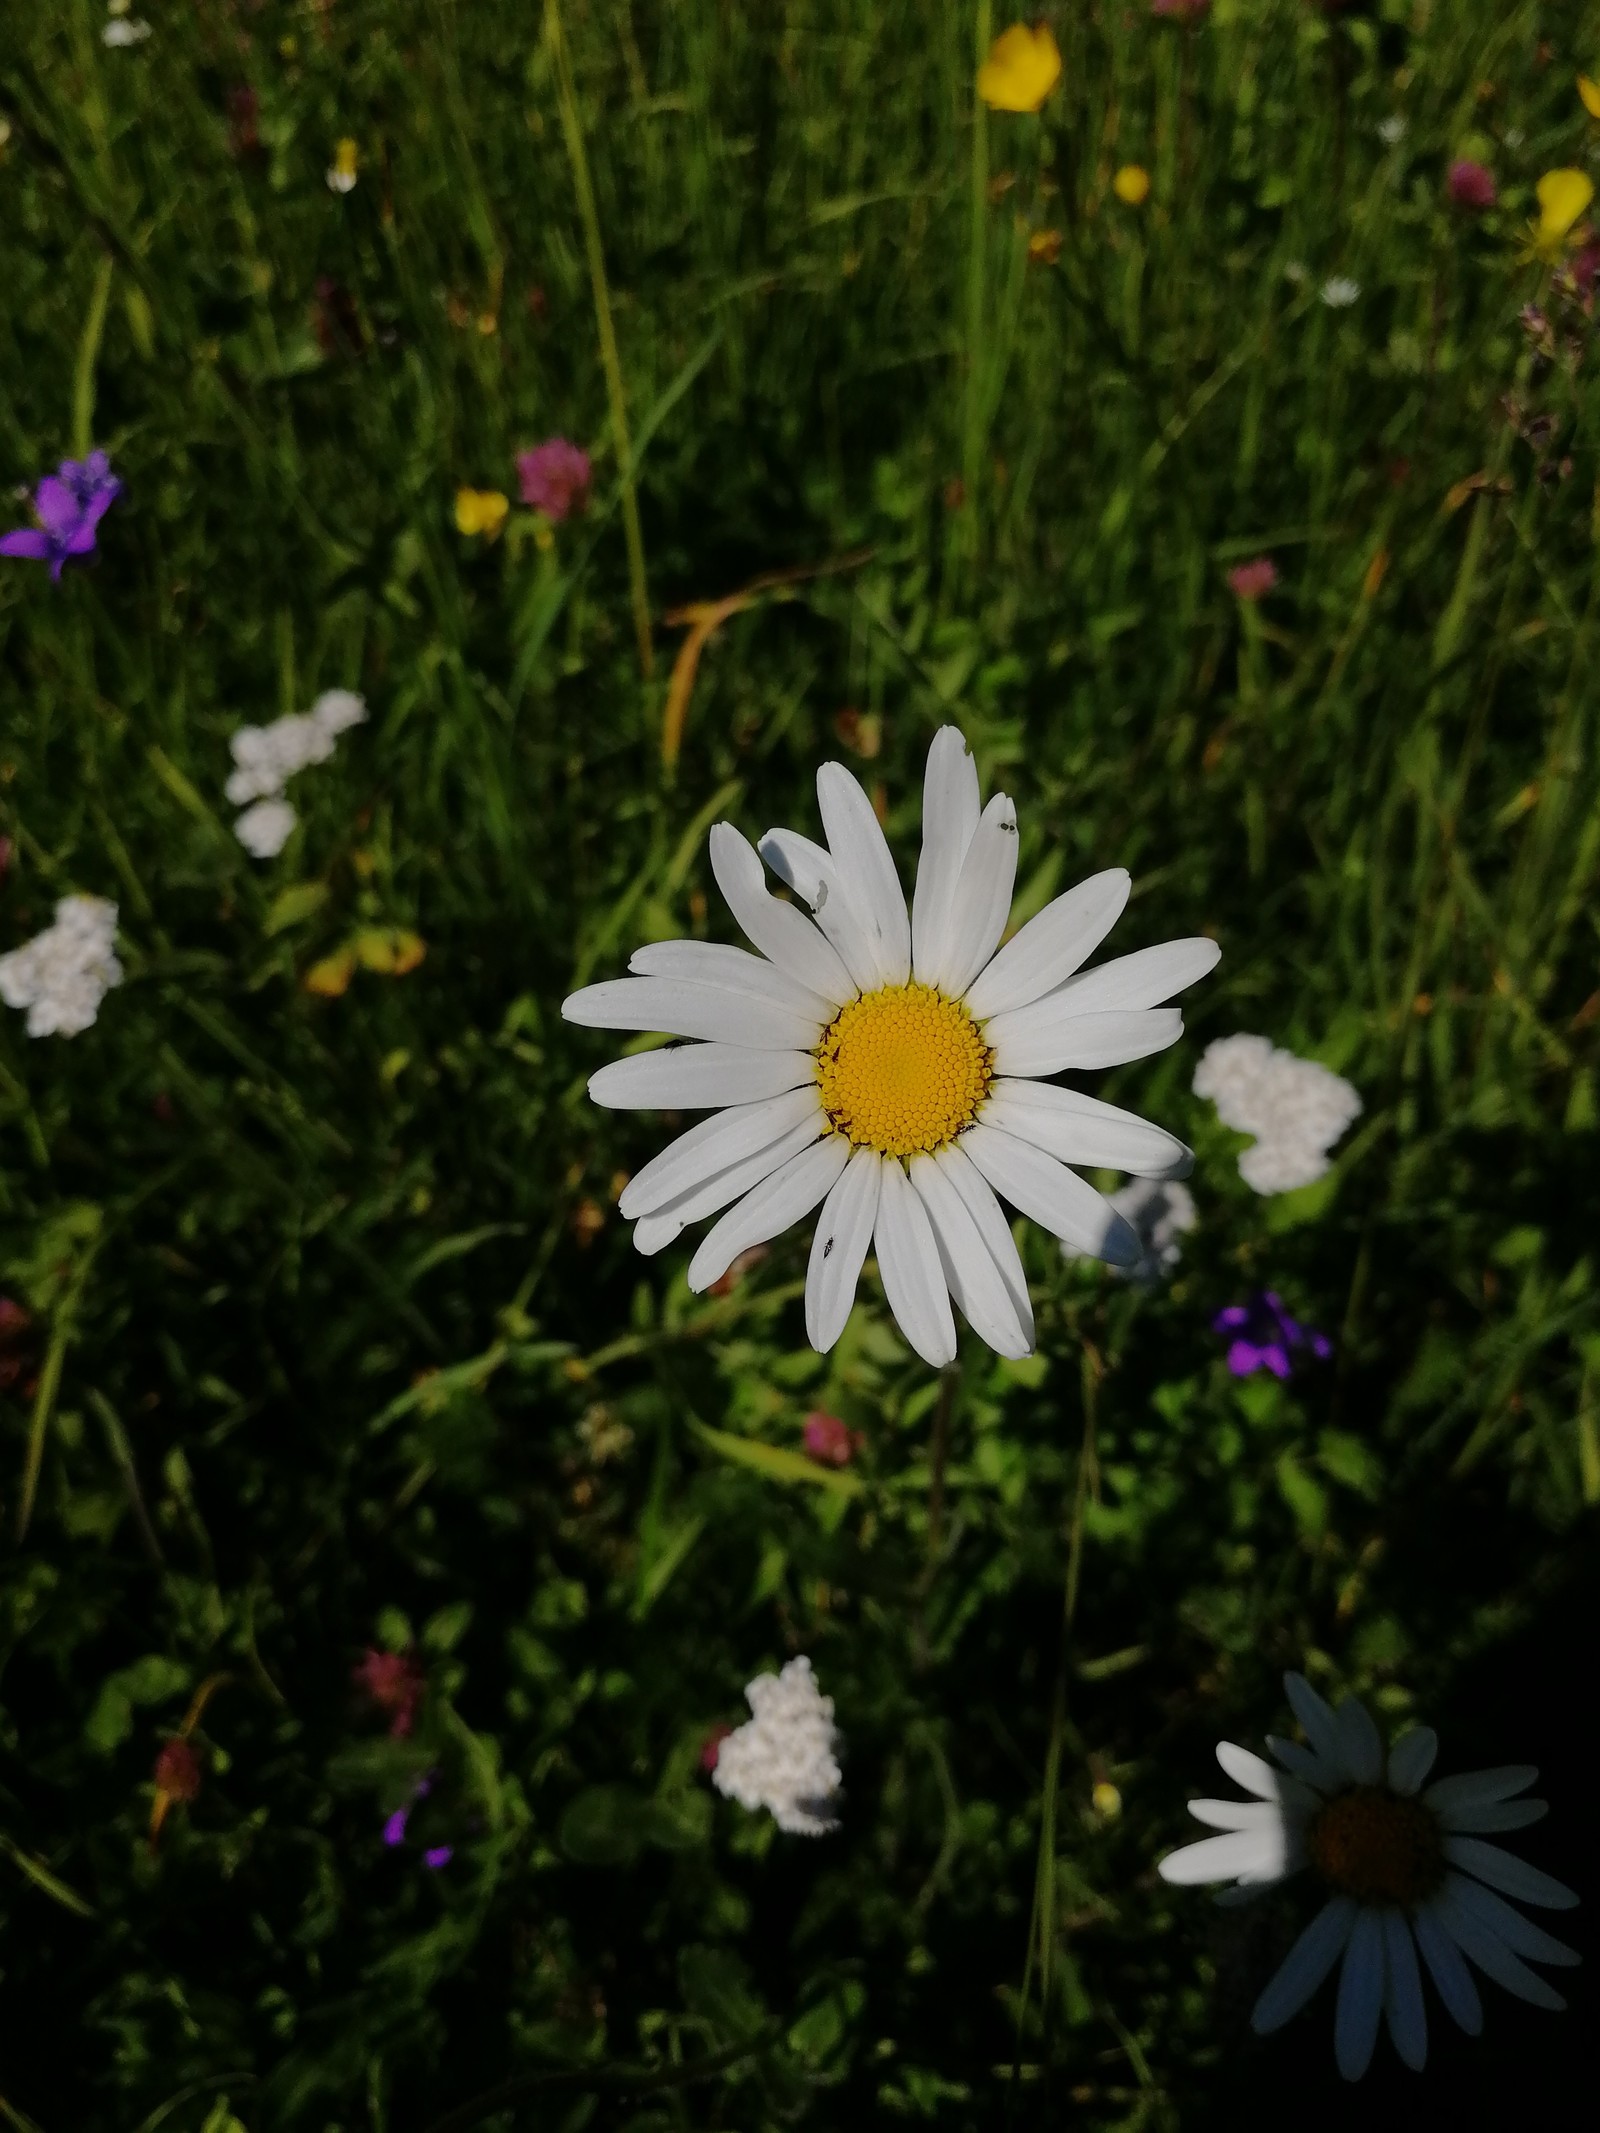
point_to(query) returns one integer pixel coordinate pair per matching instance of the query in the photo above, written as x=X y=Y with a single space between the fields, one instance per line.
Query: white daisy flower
x=1404 y=1869
x=1160 y=1212
x=1296 y=1108
x=264 y=829
x=784 y=1759
x=1339 y=292
x=62 y=975
x=891 y=1066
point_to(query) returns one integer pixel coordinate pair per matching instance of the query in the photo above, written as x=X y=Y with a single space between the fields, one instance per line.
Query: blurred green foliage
x=336 y=1340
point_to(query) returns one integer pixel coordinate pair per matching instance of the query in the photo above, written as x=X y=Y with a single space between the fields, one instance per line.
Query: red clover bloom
x=1471 y=186
x=555 y=478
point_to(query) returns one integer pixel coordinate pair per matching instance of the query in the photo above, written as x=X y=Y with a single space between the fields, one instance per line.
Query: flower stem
x=572 y=129
x=977 y=292
x=83 y=369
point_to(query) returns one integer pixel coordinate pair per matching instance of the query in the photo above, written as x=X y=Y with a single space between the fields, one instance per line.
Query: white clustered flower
x=1158 y=1211
x=1339 y=292
x=784 y=1758
x=63 y=974
x=1404 y=1870
x=119 y=32
x=1296 y=1109
x=1392 y=130
x=891 y=1066
x=267 y=757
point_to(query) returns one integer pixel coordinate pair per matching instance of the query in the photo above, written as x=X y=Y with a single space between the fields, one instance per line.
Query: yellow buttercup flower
x=481 y=511
x=1022 y=68
x=1132 y=184
x=1589 y=91
x=1563 y=197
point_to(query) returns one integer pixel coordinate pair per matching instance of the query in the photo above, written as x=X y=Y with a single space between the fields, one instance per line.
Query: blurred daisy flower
x=1403 y=1869
x=481 y=511
x=61 y=976
x=1564 y=195
x=554 y=478
x=1339 y=292
x=1132 y=185
x=69 y=506
x=785 y=1758
x=1022 y=68
x=1295 y=1107
x=891 y=1067
x=342 y=172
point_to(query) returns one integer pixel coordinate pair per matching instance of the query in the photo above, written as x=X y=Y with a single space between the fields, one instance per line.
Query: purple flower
x=1265 y=1336
x=394 y=1830
x=69 y=506
x=555 y=478
x=440 y=1855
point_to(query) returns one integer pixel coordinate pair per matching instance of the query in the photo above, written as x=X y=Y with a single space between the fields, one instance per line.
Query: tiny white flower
x=267 y=757
x=1160 y=1212
x=1296 y=1108
x=892 y=1067
x=1513 y=136
x=62 y=975
x=1404 y=1870
x=1392 y=130
x=1297 y=271
x=264 y=829
x=337 y=710
x=784 y=1759
x=119 y=33
x=1339 y=292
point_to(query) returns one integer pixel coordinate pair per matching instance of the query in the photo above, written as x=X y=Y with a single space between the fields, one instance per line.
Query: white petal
x=1040 y=1187
x=1236 y=1814
x=1361 y=1982
x=1048 y=1039
x=685 y=1009
x=1322 y=1728
x=1494 y=1816
x=777 y=928
x=713 y=1145
x=908 y=1263
x=1448 y=1971
x=982 y=901
x=809 y=870
x=1520 y=1934
x=1305 y=1966
x=1049 y=948
x=1473 y=1787
x=1144 y=979
x=1260 y=1853
x=735 y=970
x=844 y=1231
x=698 y=1077
x=1411 y=1758
x=1248 y=1770
x=1360 y=1744
x=1075 y=1128
x=666 y=1224
x=866 y=869
x=776 y=1204
x=1491 y=1954
x=1503 y=1870
x=949 y=817
x=1311 y=1768
x=992 y=1227
x=969 y=1271
x=1402 y=1995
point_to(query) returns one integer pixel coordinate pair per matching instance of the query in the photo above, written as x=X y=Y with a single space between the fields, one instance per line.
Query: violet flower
x=69 y=506
x=1266 y=1337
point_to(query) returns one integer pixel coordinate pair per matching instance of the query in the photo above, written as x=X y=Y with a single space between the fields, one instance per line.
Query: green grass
x=326 y=1353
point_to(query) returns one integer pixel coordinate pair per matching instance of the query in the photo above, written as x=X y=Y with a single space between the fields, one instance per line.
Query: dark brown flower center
x=1378 y=1848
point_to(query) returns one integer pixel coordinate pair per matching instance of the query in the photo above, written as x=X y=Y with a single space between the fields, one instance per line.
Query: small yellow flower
x=1563 y=196
x=1589 y=91
x=1022 y=68
x=1132 y=184
x=1107 y=1801
x=1044 y=247
x=330 y=979
x=481 y=511
x=390 y=950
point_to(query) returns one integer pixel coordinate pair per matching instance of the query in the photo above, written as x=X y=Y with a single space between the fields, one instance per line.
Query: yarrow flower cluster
x=69 y=506
x=1339 y=292
x=1160 y=1212
x=891 y=1066
x=63 y=974
x=1295 y=1108
x=267 y=757
x=1404 y=1870
x=784 y=1758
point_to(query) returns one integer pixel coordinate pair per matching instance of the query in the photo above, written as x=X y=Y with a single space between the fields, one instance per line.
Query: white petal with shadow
x=1402 y=1995
x=1448 y=1971
x=1144 y=979
x=810 y=872
x=1305 y=1966
x=713 y=1145
x=844 y=1233
x=684 y=1009
x=992 y=1226
x=735 y=970
x=664 y=1225
x=781 y=932
x=1057 y=1198
x=1361 y=1993
x=866 y=868
x=970 y=1273
x=776 y=1204
x=983 y=897
x=908 y=1265
x=1049 y=948
x=1048 y=1039
x=1411 y=1758
x=698 y=1077
x=1075 y=1128
x=950 y=811
x=1504 y=1870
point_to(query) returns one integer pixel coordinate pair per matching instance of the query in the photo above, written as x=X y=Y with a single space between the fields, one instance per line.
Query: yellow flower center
x=1369 y=1844
x=902 y=1070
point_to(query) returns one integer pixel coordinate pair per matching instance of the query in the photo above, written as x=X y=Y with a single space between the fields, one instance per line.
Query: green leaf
x=294 y=905
x=149 y=1680
x=41 y=1877
x=606 y=1825
x=1350 y=1460
x=716 y=1985
x=680 y=1822
x=777 y=1463
x=1306 y=1497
